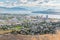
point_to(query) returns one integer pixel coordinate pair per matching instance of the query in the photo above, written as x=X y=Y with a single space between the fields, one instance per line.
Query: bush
x=34 y=29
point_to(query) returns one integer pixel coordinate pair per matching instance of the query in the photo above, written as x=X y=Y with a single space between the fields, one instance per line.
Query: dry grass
x=4 y=32
x=31 y=37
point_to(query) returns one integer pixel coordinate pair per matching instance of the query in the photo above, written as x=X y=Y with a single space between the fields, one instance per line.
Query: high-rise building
x=46 y=16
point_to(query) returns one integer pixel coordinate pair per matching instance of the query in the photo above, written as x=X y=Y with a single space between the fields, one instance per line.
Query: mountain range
x=28 y=10
x=13 y=9
x=48 y=11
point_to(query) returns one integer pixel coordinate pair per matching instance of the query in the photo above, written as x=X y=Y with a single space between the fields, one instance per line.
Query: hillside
x=31 y=37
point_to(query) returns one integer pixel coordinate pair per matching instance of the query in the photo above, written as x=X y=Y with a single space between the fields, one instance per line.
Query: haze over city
x=30 y=6
x=29 y=19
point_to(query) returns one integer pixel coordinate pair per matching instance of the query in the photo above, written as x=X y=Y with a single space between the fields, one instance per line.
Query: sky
x=33 y=5
x=30 y=3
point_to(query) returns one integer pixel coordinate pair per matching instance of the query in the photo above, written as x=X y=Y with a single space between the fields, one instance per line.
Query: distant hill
x=13 y=9
x=49 y=11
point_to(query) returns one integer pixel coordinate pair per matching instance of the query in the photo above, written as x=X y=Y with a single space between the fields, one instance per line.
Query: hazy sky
x=30 y=3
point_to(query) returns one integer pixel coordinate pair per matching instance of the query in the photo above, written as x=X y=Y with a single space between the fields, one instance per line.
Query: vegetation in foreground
x=28 y=28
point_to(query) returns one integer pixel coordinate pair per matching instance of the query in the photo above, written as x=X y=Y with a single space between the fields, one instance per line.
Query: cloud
x=30 y=3
x=1 y=3
x=38 y=3
x=22 y=2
